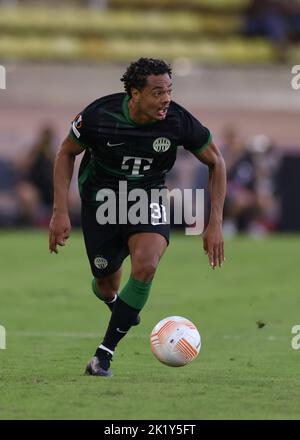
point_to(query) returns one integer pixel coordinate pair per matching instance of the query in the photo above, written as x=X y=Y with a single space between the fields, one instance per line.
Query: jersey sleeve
x=195 y=137
x=80 y=129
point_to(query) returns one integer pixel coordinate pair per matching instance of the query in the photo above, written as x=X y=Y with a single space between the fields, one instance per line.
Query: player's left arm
x=213 y=243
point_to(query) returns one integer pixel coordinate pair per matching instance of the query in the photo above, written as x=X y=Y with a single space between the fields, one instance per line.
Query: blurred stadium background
x=232 y=63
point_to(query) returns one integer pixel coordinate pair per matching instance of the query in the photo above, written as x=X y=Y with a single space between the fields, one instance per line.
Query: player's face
x=154 y=100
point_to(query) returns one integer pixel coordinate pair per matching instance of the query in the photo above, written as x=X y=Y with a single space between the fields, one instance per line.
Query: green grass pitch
x=54 y=323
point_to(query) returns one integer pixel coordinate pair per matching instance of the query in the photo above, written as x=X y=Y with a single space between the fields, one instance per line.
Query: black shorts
x=107 y=245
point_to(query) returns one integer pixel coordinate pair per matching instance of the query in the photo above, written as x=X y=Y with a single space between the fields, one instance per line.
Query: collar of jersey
x=127 y=115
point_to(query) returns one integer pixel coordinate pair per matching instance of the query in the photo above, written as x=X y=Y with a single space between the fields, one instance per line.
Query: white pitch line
x=92 y=335
x=81 y=335
x=268 y=338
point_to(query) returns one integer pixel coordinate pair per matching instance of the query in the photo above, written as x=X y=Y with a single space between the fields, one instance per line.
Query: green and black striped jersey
x=117 y=148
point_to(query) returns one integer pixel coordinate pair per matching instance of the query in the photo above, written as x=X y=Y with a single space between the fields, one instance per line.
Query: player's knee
x=144 y=267
x=143 y=272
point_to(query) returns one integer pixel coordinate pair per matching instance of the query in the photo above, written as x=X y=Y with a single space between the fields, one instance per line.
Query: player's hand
x=213 y=245
x=59 y=231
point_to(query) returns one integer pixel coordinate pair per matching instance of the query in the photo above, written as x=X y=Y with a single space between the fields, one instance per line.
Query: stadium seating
x=209 y=31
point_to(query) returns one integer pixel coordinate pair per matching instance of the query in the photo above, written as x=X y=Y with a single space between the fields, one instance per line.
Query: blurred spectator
x=265 y=17
x=8 y=202
x=277 y=20
x=292 y=11
x=250 y=203
x=97 y=4
x=240 y=199
x=266 y=160
x=35 y=187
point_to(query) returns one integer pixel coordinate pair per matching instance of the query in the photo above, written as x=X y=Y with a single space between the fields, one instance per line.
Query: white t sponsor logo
x=136 y=163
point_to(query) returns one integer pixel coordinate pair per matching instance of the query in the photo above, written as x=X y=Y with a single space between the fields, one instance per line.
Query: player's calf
x=107 y=287
x=143 y=271
x=111 y=302
x=107 y=294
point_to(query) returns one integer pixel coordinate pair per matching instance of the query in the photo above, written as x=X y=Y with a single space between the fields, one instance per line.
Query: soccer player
x=131 y=137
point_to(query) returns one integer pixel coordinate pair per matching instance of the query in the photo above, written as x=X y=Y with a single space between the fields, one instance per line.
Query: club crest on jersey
x=100 y=262
x=162 y=144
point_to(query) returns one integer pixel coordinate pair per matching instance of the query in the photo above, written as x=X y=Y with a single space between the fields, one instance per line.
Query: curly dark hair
x=138 y=71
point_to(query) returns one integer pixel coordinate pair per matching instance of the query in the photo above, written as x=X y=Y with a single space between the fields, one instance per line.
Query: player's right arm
x=60 y=225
